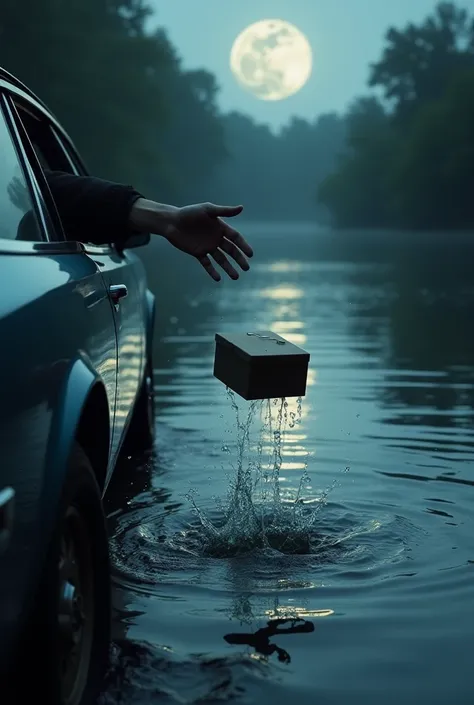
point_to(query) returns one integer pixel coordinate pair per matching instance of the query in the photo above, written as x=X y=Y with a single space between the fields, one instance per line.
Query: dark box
x=261 y=365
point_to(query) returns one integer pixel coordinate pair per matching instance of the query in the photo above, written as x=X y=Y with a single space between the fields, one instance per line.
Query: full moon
x=272 y=59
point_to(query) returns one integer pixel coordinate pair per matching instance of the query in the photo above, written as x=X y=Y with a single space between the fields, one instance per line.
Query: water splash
x=255 y=514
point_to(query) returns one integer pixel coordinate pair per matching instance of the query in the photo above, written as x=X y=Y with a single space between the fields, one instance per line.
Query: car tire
x=141 y=430
x=69 y=638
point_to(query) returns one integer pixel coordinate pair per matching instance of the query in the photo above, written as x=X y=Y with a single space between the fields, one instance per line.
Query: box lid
x=260 y=344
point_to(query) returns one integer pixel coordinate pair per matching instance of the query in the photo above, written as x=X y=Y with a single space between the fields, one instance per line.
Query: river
x=380 y=606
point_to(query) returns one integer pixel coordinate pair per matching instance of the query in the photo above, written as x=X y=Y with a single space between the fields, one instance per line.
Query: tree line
x=119 y=90
x=408 y=158
x=401 y=156
x=138 y=116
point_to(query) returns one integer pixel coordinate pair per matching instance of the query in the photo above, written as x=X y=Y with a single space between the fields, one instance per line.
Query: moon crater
x=272 y=59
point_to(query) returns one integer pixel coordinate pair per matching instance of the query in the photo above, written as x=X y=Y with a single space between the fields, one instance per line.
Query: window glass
x=73 y=167
x=17 y=216
x=50 y=155
x=41 y=157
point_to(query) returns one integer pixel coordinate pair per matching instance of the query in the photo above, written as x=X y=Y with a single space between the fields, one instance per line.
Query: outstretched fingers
x=209 y=267
x=237 y=239
x=232 y=250
x=229 y=232
x=222 y=260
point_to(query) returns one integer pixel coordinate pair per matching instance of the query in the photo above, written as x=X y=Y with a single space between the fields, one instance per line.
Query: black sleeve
x=92 y=210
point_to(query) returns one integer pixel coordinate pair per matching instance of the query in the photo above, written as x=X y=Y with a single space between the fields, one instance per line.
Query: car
x=76 y=380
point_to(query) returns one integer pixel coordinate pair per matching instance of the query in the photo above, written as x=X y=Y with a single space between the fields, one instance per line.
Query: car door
x=54 y=309
x=121 y=273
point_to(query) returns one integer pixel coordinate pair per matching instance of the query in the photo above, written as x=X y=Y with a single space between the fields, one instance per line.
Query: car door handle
x=7 y=511
x=117 y=292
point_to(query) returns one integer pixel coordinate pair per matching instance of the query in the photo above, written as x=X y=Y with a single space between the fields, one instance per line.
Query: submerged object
x=261 y=365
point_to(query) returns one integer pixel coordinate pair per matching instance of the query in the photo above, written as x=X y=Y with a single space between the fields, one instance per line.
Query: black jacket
x=92 y=210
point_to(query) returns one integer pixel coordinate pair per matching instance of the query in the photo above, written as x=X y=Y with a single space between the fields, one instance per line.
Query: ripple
x=159 y=548
x=144 y=673
x=391 y=397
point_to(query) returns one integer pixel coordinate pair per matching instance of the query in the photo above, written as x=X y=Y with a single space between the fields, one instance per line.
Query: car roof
x=10 y=78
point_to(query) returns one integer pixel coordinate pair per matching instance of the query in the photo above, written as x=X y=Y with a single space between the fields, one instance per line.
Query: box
x=261 y=365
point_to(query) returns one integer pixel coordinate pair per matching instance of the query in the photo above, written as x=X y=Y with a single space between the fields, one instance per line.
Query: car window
x=17 y=215
x=52 y=150
x=74 y=166
x=40 y=133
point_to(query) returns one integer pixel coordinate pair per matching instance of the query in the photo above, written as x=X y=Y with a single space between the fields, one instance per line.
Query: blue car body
x=72 y=356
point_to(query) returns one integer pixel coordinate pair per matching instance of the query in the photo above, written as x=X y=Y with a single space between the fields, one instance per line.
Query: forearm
x=93 y=210
x=103 y=212
x=151 y=217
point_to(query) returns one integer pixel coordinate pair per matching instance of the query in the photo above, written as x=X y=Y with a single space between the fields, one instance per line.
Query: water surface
x=382 y=602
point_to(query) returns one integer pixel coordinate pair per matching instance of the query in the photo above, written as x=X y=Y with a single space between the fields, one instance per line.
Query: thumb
x=223 y=211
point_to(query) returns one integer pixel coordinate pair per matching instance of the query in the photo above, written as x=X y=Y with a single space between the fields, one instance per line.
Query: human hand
x=200 y=231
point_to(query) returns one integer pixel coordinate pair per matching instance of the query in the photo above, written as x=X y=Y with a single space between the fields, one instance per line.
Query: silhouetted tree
x=119 y=90
x=419 y=62
x=410 y=164
x=275 y=174
x=358 y=193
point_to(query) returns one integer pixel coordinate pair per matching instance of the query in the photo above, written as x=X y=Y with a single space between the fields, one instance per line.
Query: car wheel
x=141 y=431
x=70 y=634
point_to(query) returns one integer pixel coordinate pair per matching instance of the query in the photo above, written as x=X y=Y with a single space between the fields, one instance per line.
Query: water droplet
x=255 y=513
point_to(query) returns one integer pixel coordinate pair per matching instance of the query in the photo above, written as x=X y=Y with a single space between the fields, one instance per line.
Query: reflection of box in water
x=261 y=365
